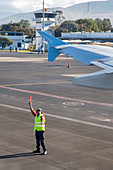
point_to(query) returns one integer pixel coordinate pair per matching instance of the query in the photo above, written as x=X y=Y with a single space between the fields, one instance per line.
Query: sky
x=23 y=6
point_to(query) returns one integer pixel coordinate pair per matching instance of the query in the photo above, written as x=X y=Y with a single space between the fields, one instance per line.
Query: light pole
x=43 y=27
x=43 y=16
x=88 y=11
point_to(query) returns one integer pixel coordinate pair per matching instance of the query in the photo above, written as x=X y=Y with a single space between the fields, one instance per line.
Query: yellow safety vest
x=38 y=124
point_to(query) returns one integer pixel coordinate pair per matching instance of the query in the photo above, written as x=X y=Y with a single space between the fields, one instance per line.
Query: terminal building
x=49 y=20
x=107 y=36
x=16 y=37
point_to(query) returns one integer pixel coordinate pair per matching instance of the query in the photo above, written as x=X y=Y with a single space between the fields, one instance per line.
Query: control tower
x=49 y=20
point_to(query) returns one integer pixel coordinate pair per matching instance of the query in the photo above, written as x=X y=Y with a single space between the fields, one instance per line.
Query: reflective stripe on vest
x=38 y=124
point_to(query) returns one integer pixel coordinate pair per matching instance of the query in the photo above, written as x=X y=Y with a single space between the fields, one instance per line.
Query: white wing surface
x=100 y=56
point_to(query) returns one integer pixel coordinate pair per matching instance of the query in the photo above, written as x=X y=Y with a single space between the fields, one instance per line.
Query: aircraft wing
x=87 y=54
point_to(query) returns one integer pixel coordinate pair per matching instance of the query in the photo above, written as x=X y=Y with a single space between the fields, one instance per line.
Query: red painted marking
x=59 y=97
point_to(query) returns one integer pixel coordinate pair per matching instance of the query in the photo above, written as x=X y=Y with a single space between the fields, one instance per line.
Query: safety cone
x=69 y=66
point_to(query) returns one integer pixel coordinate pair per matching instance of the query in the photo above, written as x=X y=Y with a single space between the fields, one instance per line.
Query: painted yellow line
x=28 y=84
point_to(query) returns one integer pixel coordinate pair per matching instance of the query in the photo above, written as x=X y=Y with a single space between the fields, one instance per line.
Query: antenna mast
x=88 y=11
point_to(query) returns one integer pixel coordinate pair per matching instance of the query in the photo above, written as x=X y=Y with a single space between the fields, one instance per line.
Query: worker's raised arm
x=31 y=108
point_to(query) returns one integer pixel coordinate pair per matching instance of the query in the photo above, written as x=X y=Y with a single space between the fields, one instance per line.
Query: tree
x=71 y=26
x=99 y=22
x=106 y=24
x=59 y=30
x=4 y=42
x=25 y=23
x=59 y=17
x=22 y=26
x=87 y=25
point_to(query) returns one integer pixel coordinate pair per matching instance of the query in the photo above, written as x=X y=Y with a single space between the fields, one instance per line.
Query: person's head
x=39 y=111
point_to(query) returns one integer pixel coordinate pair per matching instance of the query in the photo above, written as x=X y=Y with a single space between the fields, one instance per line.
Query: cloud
x=72 y=2
x=20 y=6
x=25 y=5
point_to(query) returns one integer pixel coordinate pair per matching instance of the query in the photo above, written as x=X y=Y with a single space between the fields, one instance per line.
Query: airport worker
x=16 y=49
x=39 y=129
x=42 y=51
x=38 y=50
x=10 y=49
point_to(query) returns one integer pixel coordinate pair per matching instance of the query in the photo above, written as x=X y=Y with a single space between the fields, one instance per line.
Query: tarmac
x=79 y=120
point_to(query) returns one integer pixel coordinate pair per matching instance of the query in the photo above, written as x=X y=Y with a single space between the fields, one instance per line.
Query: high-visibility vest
x=38 y=123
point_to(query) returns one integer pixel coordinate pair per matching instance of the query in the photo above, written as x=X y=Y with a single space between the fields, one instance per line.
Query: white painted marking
x=64 y=106
x=3 y=95
x=61 y=117
x=73 y=104
x=16 y=59
x=52 y=104
x=82 y=104
x=41 y=102
x=101 y=119
x=21 y=98
x=91 y=111
x=73 y=75
x=37 y=62
x=77 y=109
x=105 y=114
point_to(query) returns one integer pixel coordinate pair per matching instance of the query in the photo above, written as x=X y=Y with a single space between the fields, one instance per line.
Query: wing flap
x=82 y=55
x=107 y=68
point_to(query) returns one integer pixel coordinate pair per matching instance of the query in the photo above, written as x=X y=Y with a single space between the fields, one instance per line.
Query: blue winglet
x=52 y=41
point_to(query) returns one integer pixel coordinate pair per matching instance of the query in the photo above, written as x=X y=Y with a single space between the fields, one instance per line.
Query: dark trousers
x=40 y=140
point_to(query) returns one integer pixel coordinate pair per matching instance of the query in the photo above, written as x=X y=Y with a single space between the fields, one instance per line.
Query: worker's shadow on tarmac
x=19 y=155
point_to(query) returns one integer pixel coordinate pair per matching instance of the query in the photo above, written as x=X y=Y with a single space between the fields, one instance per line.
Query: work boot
x=36 y=151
